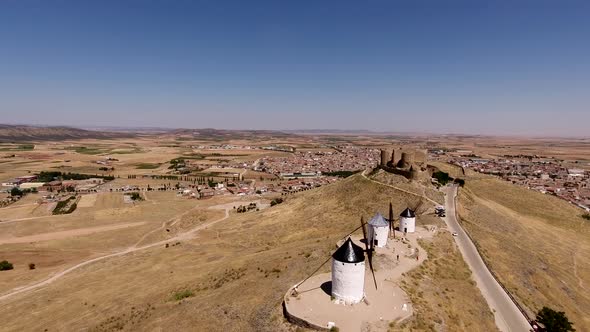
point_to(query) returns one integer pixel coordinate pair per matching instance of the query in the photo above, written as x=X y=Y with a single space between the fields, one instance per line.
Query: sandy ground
x=66 y=234
x=184 y=236
x=87 y=201
x=388 y=302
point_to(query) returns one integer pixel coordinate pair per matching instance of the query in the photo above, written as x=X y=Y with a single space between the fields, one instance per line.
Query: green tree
x=5 y=266
x=16 y=192
x=442 y=177
x=554 y=321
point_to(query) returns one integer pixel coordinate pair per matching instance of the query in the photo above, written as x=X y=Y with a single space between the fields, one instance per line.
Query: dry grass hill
x=539 y=245
x=233 y=275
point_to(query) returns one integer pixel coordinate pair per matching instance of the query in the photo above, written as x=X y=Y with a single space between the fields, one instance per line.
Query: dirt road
x=398 y=188
x=184 y=236
x=66 y=234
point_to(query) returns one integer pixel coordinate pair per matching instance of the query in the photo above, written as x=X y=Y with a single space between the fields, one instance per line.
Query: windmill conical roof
x=379 y=221
x=408 y=213
x=349 y=253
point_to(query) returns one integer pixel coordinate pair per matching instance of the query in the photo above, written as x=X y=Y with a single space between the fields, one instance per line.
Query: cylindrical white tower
x=378 y=231
x=348 y=273
x=407 y=221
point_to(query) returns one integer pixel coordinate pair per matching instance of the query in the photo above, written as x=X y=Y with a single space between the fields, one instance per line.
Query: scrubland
x=233 y=275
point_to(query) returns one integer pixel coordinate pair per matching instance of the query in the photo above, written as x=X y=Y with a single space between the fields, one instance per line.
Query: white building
x=407 y=221
x=31 y=185
x=348 y=273
x=378 y=231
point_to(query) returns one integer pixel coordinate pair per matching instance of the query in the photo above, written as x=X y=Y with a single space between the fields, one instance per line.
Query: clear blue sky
x=491 y=67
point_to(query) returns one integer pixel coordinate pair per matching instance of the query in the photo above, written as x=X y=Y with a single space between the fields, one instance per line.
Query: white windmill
x=407 y=221
x=348 y=270
x=379 y=228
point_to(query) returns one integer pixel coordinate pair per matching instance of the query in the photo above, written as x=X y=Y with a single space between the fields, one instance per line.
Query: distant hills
x=21 y=133
x=219 y=134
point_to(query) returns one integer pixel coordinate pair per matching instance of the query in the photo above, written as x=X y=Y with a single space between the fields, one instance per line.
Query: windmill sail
x=391 y=221
x=369 y=251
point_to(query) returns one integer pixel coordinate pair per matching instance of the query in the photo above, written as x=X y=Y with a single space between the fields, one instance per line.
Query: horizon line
x=308 y=131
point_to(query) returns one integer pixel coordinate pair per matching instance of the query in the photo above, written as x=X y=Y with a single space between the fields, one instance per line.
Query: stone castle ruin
x=410 y=163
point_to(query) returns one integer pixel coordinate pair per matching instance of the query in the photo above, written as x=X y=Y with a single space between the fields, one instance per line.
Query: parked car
x=455 y=234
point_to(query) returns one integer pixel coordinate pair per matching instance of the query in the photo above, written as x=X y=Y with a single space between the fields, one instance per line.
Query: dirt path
x=580 y=281
x=14 y=206
x=400 y=189
x=184 y=236
x=23 y=219
x=66 y=234
x=174 y=220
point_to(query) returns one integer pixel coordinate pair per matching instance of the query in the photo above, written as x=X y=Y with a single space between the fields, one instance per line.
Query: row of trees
x=51 y=176
x=444 y=178
x=15 y=191
x=202 y=180
x=276 y=201
x=246 y=208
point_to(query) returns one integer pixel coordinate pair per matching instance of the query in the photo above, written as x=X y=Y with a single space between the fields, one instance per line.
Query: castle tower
x=393 y=160
x=414 y=173
x=348 y=273
x=384 y=158
x=404 y=161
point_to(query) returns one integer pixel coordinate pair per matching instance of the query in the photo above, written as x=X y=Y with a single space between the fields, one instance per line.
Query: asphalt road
x=506 y=314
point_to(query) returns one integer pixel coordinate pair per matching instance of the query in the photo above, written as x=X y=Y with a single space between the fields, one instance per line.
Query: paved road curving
x=507 y=315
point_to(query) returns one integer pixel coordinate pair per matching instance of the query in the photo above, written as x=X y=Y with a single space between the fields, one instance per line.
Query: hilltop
x=233 y=275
